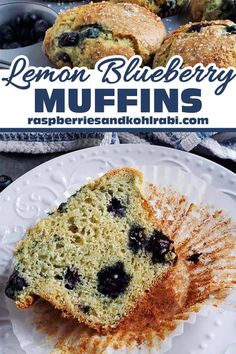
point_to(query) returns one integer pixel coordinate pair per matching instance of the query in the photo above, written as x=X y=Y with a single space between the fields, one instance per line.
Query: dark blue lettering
x=55 y=101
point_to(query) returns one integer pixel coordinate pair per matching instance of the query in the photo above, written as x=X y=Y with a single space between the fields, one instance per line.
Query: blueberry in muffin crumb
x=68 y=39
x=62 y=208
x=72 y=278
x=15 y=284
x=137 y=239
x=113 y=280
x=72 y=39
x=231 y=29
x=116 y=207
x=197 y=27
x=64 y=57
x=85 y=309
x=160 y=248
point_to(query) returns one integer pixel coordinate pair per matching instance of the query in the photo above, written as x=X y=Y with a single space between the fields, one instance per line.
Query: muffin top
x=123 y=20
x=201 y=42
x=122 y=28
x=162 y=8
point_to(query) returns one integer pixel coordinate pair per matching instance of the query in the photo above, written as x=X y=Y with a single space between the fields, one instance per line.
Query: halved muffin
x=97 y=256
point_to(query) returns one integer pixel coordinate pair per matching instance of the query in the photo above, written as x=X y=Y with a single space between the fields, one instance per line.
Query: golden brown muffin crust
x=124 y=20
x=143 y=29
x=212 y=44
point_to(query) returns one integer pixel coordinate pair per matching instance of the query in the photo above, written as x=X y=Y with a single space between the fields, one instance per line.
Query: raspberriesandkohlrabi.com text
x=117 y=122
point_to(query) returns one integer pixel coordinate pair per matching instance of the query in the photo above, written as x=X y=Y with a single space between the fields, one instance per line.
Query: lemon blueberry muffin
x=213 y=9
x=97 y=255
x=162 y=8
x=201 y=42
x=83 y=35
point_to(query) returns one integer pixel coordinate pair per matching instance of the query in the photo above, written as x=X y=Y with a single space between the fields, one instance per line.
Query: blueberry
x=17 y=22
x=68 y=39
x=13 y=45
x=23 y=34
x=27 y=40
x=159 y=246
x=116 y=207
x=168 y=7
x=113 y=280
x=72 y=278
x=197 y=27
x=4 y=45
x=33 y=17
x=93 y=32
x=228 y=9
x=137 y=239
x=64 y=57
x=85 y=309
x=31 y=36
x=4 y=182
x=231 y=29
x=58 y=277
x=15 y=284
x=40 y=28
x=40 y=39
x=62 y=208
x=29 y=19
x=194 y=258
x=7 y=33
x=89 y=32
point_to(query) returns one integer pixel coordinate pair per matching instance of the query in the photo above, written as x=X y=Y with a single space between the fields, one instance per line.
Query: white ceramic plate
x=32 y=195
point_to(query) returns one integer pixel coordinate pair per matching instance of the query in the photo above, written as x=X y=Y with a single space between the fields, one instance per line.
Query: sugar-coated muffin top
x=83 y=35
x=162 y=8
x=201 y=42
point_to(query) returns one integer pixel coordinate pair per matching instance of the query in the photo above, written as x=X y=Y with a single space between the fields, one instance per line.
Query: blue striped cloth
x=40 y=143
x=222 y=145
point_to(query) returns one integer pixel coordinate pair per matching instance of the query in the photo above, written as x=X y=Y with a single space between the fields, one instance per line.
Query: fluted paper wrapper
x=189 y=213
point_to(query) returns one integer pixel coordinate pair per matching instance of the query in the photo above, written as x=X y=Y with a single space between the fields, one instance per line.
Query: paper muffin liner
x=195 y=229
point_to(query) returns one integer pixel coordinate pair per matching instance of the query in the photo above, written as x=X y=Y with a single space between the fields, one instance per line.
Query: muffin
x=163 y=8
x=204 y=239
x=213 y=9
x=88 y=33
x=201 y=42
x=89 y=257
